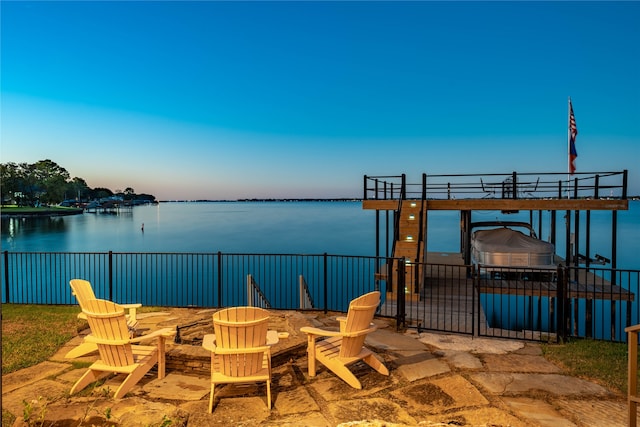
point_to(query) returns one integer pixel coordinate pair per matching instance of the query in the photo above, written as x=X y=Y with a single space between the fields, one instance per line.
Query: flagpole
x=569 y=148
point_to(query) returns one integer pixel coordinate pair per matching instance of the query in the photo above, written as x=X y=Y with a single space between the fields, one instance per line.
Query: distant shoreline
x=12 y=212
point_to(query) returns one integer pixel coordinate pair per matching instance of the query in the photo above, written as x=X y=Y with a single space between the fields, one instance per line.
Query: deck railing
x=511 y=185
x=604 y=304
x=509 y=303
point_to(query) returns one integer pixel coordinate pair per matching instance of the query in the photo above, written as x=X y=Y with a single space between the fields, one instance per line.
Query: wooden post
x=632 y=374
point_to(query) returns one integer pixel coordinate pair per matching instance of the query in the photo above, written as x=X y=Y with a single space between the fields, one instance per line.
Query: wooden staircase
x=410 y=246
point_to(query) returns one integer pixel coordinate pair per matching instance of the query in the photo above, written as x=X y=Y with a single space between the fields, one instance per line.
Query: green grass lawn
x=15 y=210
x=33 y=333
x=606 y=362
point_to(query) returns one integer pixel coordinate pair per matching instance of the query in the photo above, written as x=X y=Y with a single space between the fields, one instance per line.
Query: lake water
x=339 y=228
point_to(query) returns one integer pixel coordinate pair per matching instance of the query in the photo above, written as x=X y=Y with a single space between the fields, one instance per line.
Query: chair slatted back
x=359 y=318
x=83 y=291
x=237 y=329
x=109 y=328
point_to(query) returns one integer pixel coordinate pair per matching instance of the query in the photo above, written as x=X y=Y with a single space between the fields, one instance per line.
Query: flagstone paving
x=436 y=379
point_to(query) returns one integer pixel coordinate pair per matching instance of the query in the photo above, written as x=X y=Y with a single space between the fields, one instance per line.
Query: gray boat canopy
x=507 y=240
x=505 y=247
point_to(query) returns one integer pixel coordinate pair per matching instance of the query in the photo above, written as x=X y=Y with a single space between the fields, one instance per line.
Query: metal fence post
x=219 y=279
x=6 y=276
x=401 y=311
x=326 y=281
x=475 y=300
x=561 y=320
x=110 y=275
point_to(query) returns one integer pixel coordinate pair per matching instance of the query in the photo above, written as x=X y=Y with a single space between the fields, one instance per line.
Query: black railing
x=513 y=185
x=530 y=303
x=603 y=303
x=189 y=279
x=444 y=300
x=522 y=303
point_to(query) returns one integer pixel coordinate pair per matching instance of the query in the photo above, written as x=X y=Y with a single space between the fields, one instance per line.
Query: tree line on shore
x=47 y=183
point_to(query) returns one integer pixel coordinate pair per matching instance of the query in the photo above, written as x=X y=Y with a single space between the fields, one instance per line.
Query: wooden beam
x=507 y=204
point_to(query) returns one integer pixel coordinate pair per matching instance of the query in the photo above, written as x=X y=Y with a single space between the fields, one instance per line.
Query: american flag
x=573 y=132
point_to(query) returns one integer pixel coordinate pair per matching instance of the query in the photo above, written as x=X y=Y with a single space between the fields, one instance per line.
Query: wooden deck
x=586 y=286
x=550 y=289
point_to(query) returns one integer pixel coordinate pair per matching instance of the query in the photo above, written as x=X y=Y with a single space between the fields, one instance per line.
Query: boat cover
x=505 y=247
x=508 y=240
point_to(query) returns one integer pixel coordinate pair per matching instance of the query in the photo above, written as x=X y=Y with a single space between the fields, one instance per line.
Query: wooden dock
x=586 y=286
x=439 y=289
x=110 y=208
x=448 y=301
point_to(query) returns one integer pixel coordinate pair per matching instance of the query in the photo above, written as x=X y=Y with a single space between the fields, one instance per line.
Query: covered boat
x=506 y=247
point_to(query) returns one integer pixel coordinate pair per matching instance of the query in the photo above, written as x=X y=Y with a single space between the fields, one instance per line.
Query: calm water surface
x=243 y=227
x=339 y=228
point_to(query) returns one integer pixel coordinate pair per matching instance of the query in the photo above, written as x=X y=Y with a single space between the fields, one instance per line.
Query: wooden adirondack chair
x=240 y=353
x=118 y=354
x=83 y=291
x=345 y=347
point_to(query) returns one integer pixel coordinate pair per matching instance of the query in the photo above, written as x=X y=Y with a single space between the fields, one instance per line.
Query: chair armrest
x=166 y=333
x=633 y=328
x=130 y=306
x=209 y=342
x=132 y=311
x=321 y=332
x=343 y=323
x=358 y=333
x=93 y=339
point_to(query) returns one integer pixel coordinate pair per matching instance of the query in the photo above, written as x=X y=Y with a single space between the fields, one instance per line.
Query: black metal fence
x=502 y=302
x=520 y=302
x=604 y=302
x=444 y=298
x=512 y=185
x=189 y=279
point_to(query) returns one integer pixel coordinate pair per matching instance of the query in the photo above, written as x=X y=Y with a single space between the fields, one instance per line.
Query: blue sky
x=226 y=100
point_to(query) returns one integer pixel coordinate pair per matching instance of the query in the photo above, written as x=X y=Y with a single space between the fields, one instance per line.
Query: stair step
x=400 y=244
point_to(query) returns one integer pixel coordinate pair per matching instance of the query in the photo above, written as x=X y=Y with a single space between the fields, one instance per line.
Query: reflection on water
x=16 y=229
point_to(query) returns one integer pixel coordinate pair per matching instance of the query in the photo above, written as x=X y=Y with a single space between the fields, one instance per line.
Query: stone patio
x=436 y=379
